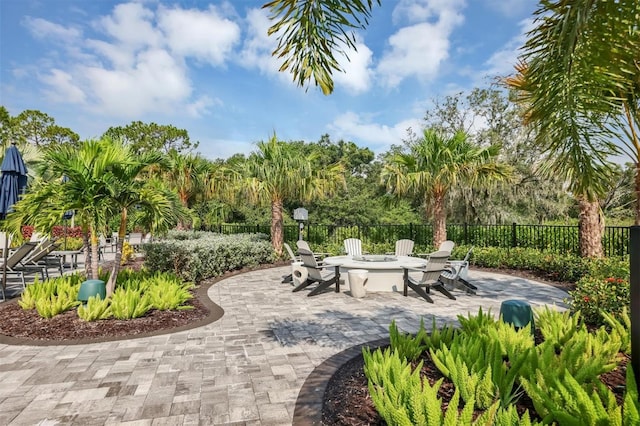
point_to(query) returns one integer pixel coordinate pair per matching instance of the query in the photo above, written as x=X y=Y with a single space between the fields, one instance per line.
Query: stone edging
x=308 y=408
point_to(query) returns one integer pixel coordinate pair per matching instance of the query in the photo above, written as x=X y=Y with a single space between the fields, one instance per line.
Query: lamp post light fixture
x=300 y=215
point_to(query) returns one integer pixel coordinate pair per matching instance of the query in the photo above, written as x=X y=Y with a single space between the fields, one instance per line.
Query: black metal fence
x=555 y=238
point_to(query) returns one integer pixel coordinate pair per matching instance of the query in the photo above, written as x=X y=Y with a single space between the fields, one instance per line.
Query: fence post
x=466 y=233
x=514 y=239
x=411 y=232
x=634 y=282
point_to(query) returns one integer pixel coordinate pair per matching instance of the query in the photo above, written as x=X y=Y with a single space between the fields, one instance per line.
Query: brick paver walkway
x=246 y=368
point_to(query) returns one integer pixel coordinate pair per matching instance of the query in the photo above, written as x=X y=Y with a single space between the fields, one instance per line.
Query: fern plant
x=95 y=309
x=631 y=409
x=401 y=397
x=439 y=336
x=621 y=327
x=557 y=327
x=36 y=291
x=48 y=308
x=128 y=304
x=561 y=398
x=476 y=323
x=167 y=296
x=585 y=356
x=406 y=345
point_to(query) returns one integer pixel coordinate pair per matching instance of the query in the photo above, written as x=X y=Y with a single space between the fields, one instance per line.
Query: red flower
x=586 y=298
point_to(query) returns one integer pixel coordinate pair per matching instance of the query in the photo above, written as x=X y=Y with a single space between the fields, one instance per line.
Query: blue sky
x=206 y=66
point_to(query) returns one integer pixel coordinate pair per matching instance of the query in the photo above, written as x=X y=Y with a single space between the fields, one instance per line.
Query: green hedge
x=196 y=256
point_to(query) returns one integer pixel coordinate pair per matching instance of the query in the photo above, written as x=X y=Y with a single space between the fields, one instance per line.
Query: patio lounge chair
x=135 y=240
x=353 y=246
x=456 y=275
x=447 y=245
x=404 y=248
x=39 y=259
x=12 y=264
x=313 y=268
x=431 y=272
x=301 y=244
x=294 y=258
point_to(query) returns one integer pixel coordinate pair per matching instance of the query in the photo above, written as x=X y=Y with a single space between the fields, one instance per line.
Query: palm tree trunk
x=277 y=237
x=439 y=220
x=86 y=248
x=122 y=233
x=184 y=199
x=591 y=227
x=94 y=255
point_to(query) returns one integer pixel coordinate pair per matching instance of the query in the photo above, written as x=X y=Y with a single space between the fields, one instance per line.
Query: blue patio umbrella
x=12 y=184
x=13 y=181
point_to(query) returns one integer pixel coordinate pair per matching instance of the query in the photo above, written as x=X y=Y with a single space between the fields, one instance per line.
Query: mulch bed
x=19 y=326
x=347 y=401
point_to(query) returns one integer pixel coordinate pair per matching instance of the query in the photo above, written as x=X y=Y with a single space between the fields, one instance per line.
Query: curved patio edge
x=215 y=313
x=308 y=408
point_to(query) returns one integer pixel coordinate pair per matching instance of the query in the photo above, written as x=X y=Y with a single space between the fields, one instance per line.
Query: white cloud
x=64 y=88
x=131 y=25
x=206 y=36
x=43 y=29
x=224 y=148
x=418 y=50
x=414 y=11
x=156 y=83
x=357 y=74
x=136 y=62
x=257 y=46
x=351 y=126
x=200 y=107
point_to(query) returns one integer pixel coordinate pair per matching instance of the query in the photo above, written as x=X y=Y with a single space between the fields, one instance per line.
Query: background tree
x=35 y=128
x=489 y=117
x=279 y=171
x=187 y=175
x=152 y=137
x=577 y=71
x=434 y=165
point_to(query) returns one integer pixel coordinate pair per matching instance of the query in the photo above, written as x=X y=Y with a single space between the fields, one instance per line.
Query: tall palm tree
x=434 y=165
x=278 y=171
x=579 y=75
x=128 y=187
x=72 y=178
x=188 y=175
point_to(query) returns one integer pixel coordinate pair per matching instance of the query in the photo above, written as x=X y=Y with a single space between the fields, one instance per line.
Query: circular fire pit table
x=385 y=271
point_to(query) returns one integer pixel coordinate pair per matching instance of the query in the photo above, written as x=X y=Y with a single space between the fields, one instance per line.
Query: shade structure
x=12 y=183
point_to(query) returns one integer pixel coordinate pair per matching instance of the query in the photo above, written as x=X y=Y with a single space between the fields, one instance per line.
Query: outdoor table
x=385 y=272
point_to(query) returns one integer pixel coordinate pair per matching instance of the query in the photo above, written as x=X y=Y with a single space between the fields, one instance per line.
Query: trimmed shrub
x=196 y=256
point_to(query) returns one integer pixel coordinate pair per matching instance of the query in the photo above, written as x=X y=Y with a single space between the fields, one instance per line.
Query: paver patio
x=246 y=368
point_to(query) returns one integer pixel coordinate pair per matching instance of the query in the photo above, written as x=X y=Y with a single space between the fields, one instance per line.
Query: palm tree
x=434 y=165
x=278 y=171
x=310 y=32
x=71 y=178
x=188 y=176
x=578 y=79
x=128 y=187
